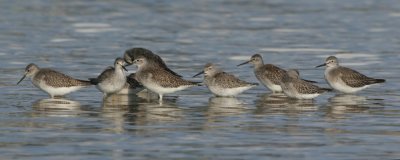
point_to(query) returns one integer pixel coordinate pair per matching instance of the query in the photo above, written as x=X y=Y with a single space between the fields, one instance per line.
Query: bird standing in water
x=344 y=79
x=52 y=82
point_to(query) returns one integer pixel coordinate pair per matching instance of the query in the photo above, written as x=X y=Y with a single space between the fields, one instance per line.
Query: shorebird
x=132 y=86
x=268 y=74
x=52 y=82
x=112 y=79
x=158 y=79
x=152 y=59
x=223 y=84
x=294 y=87
x=344 y=79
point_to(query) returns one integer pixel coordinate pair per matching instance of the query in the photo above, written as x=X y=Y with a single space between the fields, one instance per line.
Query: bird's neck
x=258 y=65
x=118 y=69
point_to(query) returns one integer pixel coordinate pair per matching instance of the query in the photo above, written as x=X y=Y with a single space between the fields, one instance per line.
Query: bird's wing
x=165 y=78
x=54 y=78
x=273 y=73
x=227 y=80
x=353 y=78
x=304 y=87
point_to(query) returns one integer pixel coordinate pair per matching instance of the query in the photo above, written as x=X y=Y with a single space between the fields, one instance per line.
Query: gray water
x=81 y=38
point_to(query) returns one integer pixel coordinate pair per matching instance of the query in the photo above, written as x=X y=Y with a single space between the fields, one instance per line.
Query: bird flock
x=154 y=75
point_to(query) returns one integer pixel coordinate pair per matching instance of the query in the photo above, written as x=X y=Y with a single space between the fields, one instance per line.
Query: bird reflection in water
x=220 y=108
x=120 y=110
x=341 y=104
x=225 y=106
x=124 y=110
x=167 y=112
x=278 y=103
x=57 y=107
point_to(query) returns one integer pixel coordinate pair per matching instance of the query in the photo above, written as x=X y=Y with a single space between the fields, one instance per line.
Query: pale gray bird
x=52 y=82
x=223 y=84
x=344 y=79
x=112 y=79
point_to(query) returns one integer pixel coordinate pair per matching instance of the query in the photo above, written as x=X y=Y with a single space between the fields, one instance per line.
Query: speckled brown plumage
x=271 y=72
x=152 y=59
x=353 y=78
x=294 y=87
x=226 y=80
x=304 y=87
x=162 y=78
x=57 y=79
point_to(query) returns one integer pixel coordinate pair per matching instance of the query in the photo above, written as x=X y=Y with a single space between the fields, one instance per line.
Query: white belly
x=109 y=88
x=306 y=96
x=163 y=90
x=112 y=86
x=268 y=84
x=342 y=87
x=59 y=91
x=226 y=92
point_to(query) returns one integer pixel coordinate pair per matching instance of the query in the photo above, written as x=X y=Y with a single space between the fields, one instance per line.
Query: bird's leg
x=160 y=97
x=160 y=101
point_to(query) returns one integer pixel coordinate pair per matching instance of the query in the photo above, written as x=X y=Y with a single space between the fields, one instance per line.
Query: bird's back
x=271 y=72
x=58 y=79
x=227 y=80
x=304 y=87
x=162 y=77
x=353 y=78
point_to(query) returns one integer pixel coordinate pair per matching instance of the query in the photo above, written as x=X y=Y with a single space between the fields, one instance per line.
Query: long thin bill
x=321 y=65
x=242 y=63
x=124 y=68
x=23 y=77
x=202 y=72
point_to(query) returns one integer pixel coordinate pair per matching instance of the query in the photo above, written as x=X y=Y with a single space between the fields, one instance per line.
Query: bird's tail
x=93 y=81
x=84 y=82
x=378 y=81
x=254 y=84
x=172 y=72
x=196 y=83
x=310 y=81
x=327 y=89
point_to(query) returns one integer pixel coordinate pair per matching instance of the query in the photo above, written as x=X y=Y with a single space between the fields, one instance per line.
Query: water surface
x=81 y=38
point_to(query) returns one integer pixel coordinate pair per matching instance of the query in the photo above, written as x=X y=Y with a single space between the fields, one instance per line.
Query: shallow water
x=83 y=38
